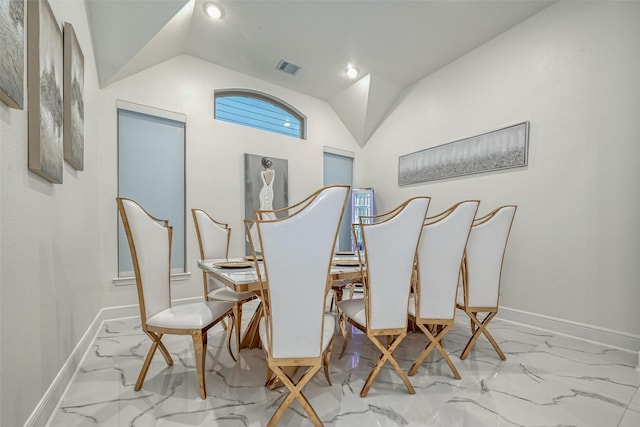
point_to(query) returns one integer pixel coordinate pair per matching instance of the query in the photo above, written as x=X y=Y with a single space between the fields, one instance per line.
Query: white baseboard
x=609 y=337
x=51 y=400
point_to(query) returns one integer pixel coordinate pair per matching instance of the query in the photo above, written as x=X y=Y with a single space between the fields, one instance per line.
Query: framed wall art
x=499 y=149
x=44 y=80
x=12 y=53
x=73 y=129
x=266 y=186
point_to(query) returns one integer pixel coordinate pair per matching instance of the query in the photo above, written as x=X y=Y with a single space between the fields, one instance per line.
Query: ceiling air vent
x=288 y=67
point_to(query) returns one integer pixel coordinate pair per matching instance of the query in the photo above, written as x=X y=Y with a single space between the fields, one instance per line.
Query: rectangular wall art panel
x=73 y=99
x=45 y=65
x=12 y=53
x=500 y=149
x=266 y=186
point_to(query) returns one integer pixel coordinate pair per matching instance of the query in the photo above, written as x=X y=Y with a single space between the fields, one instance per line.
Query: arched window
x=260 y=111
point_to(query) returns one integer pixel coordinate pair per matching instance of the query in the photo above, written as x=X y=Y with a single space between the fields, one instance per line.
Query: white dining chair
x=213 y=240
x=390 y=245
x=433 y=304
x=150 y=244
x=295 y=330
x=482 y=271
x=339 y=286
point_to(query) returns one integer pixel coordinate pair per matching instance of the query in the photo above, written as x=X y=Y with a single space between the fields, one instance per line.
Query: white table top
x=235 y=275
x=243 y=276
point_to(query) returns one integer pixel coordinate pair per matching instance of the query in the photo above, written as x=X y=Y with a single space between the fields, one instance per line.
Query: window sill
x=126 y=281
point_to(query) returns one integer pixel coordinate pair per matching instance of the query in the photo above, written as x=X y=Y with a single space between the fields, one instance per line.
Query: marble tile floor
x=547 y=380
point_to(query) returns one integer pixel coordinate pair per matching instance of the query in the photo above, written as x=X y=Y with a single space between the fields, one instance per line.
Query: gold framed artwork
x=12 y=53
x=73 y=99
x=44 y=80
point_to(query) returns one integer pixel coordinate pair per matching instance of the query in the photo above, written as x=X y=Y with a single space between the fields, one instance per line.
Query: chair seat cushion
x=226 y=294
x=354 y=310
x=196 y=315
x=327 y=333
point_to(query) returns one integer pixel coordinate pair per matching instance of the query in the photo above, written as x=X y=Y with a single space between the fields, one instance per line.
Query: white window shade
x=151 y=171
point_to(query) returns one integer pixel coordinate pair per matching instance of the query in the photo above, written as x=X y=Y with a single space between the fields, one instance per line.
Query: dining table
x=240 y=274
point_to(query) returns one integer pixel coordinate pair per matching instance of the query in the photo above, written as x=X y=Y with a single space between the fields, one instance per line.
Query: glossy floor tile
x=547 y=380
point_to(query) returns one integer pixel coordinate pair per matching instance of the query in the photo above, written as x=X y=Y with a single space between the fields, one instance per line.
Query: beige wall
x=572 y=71
x=574 y=247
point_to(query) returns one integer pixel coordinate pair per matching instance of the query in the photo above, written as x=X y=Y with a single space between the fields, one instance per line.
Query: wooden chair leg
x=325 y=361
x=435 y=341
x=474 y=336
x=155 y=338
x=481 y=328
x=337 y=288
x=493 y=342
x=270 y=377
x=295 y=392
x=199 y=346
x=229 y=332
x=251 y=337
x=386 y=355
x=237 y=312
x=343 y=328
x=164 y=351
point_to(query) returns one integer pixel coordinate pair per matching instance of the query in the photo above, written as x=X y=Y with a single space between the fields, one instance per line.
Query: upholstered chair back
x=484 y=256
x=390 y=248
x=440 y=251
x=297 y=254
x=150 y=244
x=214 y=236
x=213 y=239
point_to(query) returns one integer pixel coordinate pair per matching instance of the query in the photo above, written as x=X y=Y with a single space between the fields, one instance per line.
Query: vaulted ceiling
x=393 y=43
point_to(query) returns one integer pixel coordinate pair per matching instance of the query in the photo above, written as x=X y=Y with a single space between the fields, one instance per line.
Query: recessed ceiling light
x=212 y=10
x=352 y=72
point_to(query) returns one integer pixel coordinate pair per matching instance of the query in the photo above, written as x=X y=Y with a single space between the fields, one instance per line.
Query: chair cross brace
x=481 y=328
x=295 y=392
x=199 y=338
x=273 y=381
x=155 y=338
x=435 y=341
x=387 y=350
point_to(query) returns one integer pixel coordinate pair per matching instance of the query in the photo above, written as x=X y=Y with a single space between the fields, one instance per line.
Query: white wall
x=215 y=149
x=51 y=251
x=58 y=250
x=572 y=71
